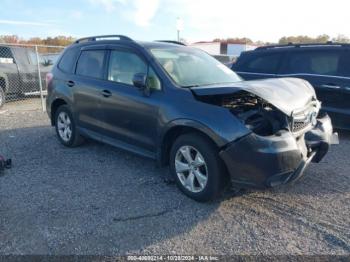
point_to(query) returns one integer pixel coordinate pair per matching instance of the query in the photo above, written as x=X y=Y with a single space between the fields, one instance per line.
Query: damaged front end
x=282 y=142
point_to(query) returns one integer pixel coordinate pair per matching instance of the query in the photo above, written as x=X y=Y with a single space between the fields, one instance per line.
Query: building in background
x=224 y=48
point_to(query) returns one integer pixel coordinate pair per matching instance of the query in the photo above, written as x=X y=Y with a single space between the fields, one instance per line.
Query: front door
x=131 y=117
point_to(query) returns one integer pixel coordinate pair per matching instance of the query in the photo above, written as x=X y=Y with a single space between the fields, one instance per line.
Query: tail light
x=48 y=79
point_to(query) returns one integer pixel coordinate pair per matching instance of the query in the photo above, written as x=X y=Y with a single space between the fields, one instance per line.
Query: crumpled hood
x=286 y=94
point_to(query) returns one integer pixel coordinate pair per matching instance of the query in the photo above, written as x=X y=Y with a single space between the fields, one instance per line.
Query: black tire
x=215 y=170
x=2 y=97
x=75 y=138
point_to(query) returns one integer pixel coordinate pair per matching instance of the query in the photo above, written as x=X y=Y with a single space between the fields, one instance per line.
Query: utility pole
x=179 y=27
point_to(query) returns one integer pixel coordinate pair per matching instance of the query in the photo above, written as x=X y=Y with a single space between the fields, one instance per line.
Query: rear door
x=326 y=70
x=88 y=85
x=258 y=65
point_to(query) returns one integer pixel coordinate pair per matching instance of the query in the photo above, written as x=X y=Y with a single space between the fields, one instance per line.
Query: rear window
x=68 y=60
x=90 y=64
x=266 y=63
x=315 y=62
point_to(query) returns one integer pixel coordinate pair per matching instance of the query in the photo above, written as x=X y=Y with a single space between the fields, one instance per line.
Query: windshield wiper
x=189 y=86
x=211 y=84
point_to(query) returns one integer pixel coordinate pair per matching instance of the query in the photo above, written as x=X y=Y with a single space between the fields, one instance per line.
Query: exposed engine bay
x=258 y=115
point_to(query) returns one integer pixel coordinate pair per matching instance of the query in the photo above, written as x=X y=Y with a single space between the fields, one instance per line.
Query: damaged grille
x=304 y=119
x=300 y=125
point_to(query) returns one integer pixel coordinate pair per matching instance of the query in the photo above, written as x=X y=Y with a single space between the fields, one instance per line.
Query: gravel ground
x=96 y=199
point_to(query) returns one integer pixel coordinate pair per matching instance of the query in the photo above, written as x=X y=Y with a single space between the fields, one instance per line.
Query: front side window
x=124 y=65
x=90 y=64
x=6 y=56
x=265 y=64
x=321 y=63
x=192 y=67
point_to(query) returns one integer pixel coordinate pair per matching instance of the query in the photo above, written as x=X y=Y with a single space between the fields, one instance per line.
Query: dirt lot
x=96 y=199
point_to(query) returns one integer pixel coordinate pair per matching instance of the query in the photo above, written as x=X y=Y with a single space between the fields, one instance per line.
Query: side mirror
x=140 y=80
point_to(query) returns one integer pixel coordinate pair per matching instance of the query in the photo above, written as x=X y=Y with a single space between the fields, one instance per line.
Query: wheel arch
x=54 y=106
x=180 y=127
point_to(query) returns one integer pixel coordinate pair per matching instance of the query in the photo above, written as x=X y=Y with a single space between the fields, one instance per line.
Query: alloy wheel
x=64 y=126
x=191 y=169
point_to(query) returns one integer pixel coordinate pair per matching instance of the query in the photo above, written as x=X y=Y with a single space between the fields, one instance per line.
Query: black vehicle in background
x=325 y=66
x=183 y=108
x=19 y=72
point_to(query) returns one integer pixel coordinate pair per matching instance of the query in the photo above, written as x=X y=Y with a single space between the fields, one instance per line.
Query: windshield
x=192 y=67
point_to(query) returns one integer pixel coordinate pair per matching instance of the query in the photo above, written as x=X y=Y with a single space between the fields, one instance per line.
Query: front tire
x=65 y=127
x=196 y=167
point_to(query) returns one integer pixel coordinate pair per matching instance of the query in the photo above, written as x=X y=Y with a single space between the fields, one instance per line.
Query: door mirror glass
x=140 y=80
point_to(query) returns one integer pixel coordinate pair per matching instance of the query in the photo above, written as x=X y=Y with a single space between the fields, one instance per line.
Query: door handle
x=70 y=83
x=330 y=86
x=106 y=93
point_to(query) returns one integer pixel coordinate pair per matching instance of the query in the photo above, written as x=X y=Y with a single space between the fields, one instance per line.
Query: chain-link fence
x=23 y=69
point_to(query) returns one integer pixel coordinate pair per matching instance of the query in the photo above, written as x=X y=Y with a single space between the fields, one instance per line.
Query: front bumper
x=260 y=162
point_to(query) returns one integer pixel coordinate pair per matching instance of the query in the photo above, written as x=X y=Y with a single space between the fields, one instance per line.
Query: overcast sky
x=265 y=20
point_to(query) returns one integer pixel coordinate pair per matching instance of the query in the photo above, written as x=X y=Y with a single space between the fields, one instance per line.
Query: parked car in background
x=183 y=108
x=49 y=59
x=19 y=72
x=325 y=66
x=225 y=59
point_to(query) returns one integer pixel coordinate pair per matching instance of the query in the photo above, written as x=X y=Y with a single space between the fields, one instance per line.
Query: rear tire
x=2 y=97
x=65 y=127
x=203 y=173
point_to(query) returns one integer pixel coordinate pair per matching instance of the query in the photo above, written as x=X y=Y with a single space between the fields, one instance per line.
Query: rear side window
x=90 y=64
x=68 y=60
x=266 y=63
x=315 y=62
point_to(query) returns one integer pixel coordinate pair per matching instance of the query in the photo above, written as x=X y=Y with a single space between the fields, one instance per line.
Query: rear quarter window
x=68 y=60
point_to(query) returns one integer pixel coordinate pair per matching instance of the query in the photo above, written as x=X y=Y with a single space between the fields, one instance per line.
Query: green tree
x=303 y=39
x=341 y=39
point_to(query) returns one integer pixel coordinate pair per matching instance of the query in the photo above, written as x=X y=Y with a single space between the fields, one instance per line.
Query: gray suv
x=183 y=108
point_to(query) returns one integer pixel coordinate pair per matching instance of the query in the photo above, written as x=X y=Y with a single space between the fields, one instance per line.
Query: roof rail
x=329 y=43
x=94 y=38
x=171 y=42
